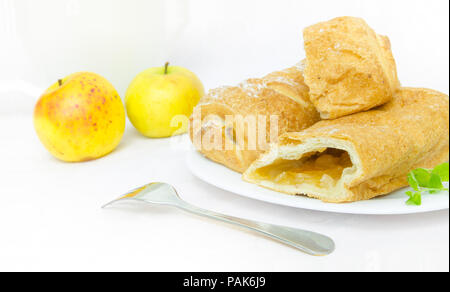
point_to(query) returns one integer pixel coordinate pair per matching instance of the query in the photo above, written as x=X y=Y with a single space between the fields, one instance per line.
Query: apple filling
x=321 y=169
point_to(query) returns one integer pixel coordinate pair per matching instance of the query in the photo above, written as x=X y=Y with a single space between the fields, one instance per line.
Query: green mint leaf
x=413 y=182
x=422 y=176
x=436 y=191
x=427 y=181
x=415 y=199
x=435 y=182
x=442 y=171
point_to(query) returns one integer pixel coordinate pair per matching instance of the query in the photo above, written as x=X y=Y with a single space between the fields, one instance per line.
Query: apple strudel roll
x=234 y=125
x=349 y=67
x=360 y=156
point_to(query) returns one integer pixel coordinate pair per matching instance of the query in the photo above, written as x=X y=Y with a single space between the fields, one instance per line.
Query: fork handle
x=309 y=242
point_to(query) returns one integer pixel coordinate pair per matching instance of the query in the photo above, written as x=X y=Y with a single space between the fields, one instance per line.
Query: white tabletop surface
x=50 y=218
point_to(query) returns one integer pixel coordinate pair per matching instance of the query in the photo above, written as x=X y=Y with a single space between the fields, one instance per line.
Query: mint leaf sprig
x=427 y=181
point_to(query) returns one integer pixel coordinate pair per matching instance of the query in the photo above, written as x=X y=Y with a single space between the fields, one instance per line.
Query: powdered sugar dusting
x=253 y=89
x=213 y=94
x=281 y=79
x=217 y=93
x=301 y=65
x=214 y=122
x=334 y=131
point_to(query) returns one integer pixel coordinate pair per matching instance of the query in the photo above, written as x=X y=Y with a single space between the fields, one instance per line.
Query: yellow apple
x=157 y=95
x=80 y=118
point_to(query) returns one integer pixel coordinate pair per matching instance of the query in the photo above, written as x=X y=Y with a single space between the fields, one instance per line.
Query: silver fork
x=163 y=194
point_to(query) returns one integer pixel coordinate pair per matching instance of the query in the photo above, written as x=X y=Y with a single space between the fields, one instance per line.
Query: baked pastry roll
x=360 y=156
x=260 y=110
x=349 y=67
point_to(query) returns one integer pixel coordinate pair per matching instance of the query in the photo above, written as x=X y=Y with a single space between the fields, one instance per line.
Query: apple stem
x=59 y=82
x=166 y=68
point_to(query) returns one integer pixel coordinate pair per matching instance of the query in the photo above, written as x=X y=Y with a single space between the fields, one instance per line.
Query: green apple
x=158 y=95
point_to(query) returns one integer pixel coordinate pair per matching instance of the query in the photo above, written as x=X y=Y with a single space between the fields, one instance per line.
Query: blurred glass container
x=42 y=41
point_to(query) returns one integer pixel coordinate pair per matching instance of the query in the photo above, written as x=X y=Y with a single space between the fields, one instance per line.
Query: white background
x=49 y=211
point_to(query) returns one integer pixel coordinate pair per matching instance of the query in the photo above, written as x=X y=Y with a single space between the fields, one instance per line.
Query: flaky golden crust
x=282 y=94
x=385 y=144
x=349 y=67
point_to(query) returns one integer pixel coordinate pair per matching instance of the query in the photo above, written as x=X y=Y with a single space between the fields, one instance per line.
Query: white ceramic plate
x=223 y=178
